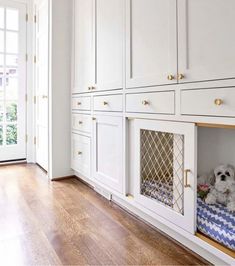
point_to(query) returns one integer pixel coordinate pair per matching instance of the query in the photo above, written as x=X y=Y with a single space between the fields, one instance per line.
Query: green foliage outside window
x=1 y=135
x=11 y=135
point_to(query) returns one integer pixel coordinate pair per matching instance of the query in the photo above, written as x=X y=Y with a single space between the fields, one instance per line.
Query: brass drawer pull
x=93 y=88
x=186 y=172
x=80 y=122
x=89 y=88
x=145 y=102
x=218 y=102
x=105 y=103
x=170 y=77
x=79 y=153
x=79 y=103
x=181 y=76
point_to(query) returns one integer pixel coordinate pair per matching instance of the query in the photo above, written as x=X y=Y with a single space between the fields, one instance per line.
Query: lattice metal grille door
x=162 y=168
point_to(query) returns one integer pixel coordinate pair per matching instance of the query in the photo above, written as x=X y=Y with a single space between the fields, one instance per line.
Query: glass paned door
x=165 y=173
x=12 y=80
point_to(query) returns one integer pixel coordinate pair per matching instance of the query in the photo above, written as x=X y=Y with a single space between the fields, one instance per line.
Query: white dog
x=224 y=189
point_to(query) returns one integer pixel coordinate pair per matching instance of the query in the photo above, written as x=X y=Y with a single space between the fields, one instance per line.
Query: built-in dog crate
x=166 y=160
x=215 y=224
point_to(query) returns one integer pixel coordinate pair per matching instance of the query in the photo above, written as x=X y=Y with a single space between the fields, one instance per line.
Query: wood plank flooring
x=67 y=223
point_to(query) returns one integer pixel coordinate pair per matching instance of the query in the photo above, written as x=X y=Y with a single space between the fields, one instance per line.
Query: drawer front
x=81 y=154
x=112 y=103
x=81 y=103
x=156 y=102
x=81 y=122
x=211 y=102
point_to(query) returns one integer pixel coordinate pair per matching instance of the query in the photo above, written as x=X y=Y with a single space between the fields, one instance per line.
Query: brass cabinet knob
x=186 y=184
x=79 y=103
x=105 y=103
x=93 y=88
x=181 y=76
x=218 y=102
x=145 y=102
x=170 y=77
x=79 y=153
x=89 y=88
x=80 y=122
x=93 y=118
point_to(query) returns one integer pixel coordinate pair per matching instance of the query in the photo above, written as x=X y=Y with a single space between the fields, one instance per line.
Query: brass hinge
x=35 y=99
x=35 y=140
x=26 y=138
x=27 y=17
x=35 y=59
x=26 y=97
x=35 y=19
x=26 y=57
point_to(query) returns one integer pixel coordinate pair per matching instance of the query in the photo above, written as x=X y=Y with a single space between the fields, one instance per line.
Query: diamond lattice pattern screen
x=162 y=168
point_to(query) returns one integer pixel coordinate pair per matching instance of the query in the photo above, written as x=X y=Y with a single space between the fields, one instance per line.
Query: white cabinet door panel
x=108 y=152
x=206 y=39
x=109 y=44
x=165 y=153
x=151 y=42
x=84 y=70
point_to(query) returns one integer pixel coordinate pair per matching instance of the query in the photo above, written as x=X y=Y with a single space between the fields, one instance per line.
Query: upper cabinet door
x=110 y=26
x=83 y=70
x=206 y=39
x=151 y=42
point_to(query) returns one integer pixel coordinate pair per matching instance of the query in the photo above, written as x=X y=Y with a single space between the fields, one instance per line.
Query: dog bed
x=216 y=222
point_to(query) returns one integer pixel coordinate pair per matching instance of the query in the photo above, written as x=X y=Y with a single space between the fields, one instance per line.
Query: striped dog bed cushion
x=216 y=222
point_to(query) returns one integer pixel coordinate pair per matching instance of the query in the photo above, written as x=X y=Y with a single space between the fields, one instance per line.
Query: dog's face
x=224 y=176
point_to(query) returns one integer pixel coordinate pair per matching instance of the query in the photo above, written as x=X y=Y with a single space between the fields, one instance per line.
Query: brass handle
x=105 y=103
x=93 y=118
x=170 y=77
x=181 y=76
x=145 y=102
x=44 y=96
x=89 y=88
x=80 y=122
x=186 y=172
x=79 y=103
x=93 y=88
x=79 y=153
x=218 y=102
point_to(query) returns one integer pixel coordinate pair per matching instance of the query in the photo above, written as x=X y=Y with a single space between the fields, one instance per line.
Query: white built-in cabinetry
x=146 y=74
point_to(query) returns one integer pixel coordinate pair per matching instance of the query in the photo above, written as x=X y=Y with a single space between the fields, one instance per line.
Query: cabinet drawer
x=80 y=160
x=81 y=122
x=154 y=102
x=112 y=103
x=214 y=102
x=81 y=103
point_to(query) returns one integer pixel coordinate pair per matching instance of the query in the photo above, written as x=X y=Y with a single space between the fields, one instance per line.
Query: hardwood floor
x=67 y=223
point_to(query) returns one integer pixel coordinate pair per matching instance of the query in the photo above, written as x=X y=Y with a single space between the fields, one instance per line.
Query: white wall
x=59 y=95
x=215 y=147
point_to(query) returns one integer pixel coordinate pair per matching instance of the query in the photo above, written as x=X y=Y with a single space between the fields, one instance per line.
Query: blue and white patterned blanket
x=216 y=222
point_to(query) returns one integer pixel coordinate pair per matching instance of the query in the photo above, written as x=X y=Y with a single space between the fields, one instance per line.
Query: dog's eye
x=219 y=173
x=227 y=173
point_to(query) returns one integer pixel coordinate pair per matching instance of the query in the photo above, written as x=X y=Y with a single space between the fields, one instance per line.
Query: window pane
x=1 y=17
x=1 y=111
x=1 y=60
x=1 y=41
x=11 y=138
x=11 y=112
x=12 y=89
x=11 y=72
x=11 y=60
x=1 y=95
x=1 y=135
x=12 y=42
x=12 y=19
x=1 y=81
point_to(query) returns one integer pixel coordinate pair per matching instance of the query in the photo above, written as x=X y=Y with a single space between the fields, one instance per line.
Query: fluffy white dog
x=224 y=189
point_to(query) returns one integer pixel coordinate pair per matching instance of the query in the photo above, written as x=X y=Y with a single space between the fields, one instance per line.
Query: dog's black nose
x=223 y=178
